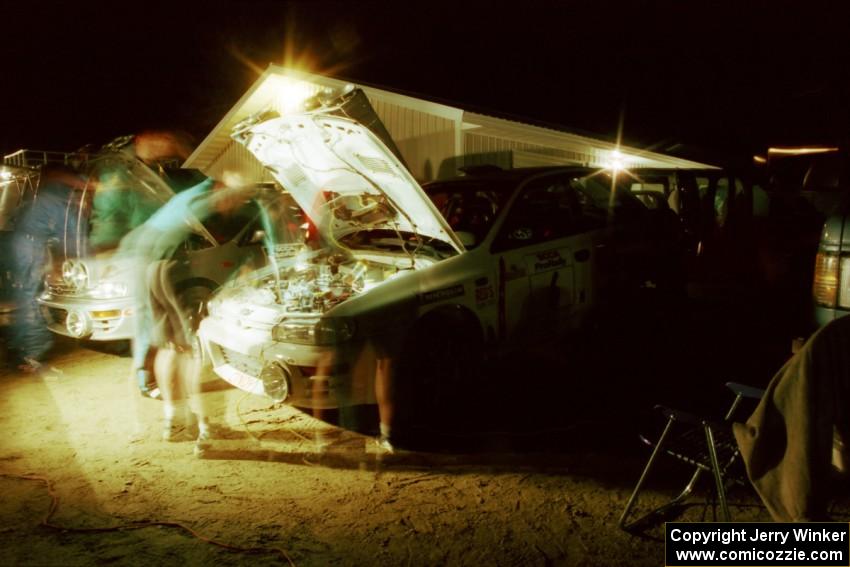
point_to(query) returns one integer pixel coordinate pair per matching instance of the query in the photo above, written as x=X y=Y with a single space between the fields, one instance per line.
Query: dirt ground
x=81 y=449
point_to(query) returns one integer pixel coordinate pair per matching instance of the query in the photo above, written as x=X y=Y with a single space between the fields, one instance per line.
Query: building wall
x=423 y=139
x=476 y=144
x=236 y=158
x=481 y=149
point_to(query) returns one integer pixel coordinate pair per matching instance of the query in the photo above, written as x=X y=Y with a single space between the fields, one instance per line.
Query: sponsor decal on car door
x=539 y=289
x=543 y=253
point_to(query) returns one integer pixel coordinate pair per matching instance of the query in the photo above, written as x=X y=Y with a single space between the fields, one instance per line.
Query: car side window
x=601 y=203
x=544 y=211
x=651 y=192
x=721 y=201
x=468 y=211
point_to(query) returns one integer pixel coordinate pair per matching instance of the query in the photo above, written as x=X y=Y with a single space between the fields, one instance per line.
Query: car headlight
x=75 y=274
x=108 y=290
x=312 y=331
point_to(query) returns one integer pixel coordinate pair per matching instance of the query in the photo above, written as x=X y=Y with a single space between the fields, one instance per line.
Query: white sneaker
x=384 y=445
x=202 y=444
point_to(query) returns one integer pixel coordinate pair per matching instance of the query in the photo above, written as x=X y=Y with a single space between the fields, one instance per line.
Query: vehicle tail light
x=844 y=283
x=825 y=289
x=832 y=280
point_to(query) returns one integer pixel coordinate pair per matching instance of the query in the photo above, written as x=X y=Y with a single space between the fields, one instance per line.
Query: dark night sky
x=725 y=78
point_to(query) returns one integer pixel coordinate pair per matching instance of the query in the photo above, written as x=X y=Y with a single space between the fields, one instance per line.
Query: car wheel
x=438 y=372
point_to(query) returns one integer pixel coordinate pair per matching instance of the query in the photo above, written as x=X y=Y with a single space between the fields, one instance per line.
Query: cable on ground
x=54 y=505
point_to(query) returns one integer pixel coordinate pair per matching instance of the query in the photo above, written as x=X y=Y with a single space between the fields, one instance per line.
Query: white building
x=434 y=139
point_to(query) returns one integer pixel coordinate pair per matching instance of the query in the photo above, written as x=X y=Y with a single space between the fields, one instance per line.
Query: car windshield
x=122 y=193
x=470 y=206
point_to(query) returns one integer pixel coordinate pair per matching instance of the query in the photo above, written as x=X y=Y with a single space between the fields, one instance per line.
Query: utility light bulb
x=292 y=94
x=616 y=162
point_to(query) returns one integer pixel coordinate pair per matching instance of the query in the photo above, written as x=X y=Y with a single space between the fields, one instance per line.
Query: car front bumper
x=94 y=319
x=318 y=377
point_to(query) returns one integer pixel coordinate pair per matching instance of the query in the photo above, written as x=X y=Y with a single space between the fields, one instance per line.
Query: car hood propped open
x=344 y=178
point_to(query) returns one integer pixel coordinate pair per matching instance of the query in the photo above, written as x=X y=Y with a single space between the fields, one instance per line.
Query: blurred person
x=384 y=397
x=52 y=215
x=373 y=365
x=119 y=207
x=160 y=318
x=176 y=366
x=155 y=146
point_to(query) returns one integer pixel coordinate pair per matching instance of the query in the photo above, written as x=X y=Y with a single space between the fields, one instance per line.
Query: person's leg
x=166 y=366
x=141 y=342
x=190 y=377
x=167 y=363
x=187 y=364
x=323 y=369
x=383 y=395
x=31 y=337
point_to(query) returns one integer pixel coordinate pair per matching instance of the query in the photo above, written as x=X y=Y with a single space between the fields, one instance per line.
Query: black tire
x=438 y=372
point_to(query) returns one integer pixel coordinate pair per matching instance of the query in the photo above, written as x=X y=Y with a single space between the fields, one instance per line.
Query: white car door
x=542 y=258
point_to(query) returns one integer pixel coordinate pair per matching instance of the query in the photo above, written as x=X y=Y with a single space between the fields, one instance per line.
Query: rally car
x=90 y=296
x=430 y=279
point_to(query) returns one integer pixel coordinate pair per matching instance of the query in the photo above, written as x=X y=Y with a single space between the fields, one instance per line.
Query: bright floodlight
x=615 y=161
x=5 y=174
x=291 y=94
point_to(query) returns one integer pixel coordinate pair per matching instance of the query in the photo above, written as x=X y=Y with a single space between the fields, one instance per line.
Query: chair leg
x=655 y=452
x=623 y=522
x=689 y=488
x=715 y=469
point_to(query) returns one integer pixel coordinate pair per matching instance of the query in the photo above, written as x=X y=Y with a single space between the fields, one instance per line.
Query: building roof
x=277 y=85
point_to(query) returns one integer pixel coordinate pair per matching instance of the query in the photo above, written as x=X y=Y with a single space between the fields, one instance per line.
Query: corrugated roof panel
x=600 y=150
x=424 y=139
x=423 y=130
x=476 y=143
x=236 y=158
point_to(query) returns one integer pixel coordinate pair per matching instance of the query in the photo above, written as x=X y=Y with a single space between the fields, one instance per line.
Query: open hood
x=343 y=177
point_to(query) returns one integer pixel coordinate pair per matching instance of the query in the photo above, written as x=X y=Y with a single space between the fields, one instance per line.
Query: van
x=808 y=195
x=831 y=285
x=809 y=182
